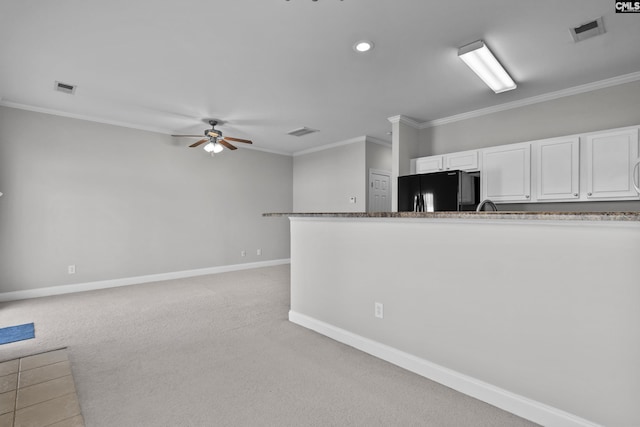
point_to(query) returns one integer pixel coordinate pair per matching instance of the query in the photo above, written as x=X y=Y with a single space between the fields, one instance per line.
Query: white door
x=379 y=191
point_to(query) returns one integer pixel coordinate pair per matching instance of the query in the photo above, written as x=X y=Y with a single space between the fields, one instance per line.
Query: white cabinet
x=556 y=169
x=463 y=160
x=610 y=157
x=506 y=173
x=587 y=167
x=429 y=164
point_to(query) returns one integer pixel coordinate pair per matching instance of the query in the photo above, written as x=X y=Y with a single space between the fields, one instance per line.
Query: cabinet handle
x=575 y=194
x=527 y=196
x=588 y=194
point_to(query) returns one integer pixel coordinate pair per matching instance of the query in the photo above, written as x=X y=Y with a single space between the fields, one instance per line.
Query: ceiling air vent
x=587 y=30
x=65 y=88
x=302 y=131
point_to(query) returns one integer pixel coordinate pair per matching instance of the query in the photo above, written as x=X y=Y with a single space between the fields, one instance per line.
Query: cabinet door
x=464 y=160
x=429 y=164
x=557 y=168
x=610 y=157
x=506 y=173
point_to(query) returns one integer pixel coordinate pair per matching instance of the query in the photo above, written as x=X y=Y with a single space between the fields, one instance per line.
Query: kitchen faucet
x=488 y=203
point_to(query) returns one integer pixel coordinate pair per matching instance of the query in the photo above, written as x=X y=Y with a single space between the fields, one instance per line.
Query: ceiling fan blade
x=246 y=141
x=226 y=144
x=202 y=141
x=187 y=136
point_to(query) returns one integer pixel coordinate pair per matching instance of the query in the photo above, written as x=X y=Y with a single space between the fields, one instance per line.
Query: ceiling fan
x=217 y=142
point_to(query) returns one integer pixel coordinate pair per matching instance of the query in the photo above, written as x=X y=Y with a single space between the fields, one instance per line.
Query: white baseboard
x=113 y=283
x=521 y=406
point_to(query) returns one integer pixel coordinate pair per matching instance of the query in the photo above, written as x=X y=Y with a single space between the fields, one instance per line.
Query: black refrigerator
x=439 y=191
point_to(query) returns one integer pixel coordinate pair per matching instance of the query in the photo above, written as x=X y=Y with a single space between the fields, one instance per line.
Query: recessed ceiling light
x=363 y=46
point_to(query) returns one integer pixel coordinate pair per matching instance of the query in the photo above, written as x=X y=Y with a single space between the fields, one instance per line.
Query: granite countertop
x=555 y=216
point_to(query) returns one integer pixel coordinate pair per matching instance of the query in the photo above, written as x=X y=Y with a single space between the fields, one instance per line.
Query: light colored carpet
x=218 y=351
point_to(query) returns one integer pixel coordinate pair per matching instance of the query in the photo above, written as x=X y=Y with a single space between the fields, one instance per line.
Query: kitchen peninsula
x=536 y=313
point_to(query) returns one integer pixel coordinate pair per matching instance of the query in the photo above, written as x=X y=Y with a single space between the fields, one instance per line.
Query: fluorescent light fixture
x=363 y=46
x=480 y=59
x=213 y=147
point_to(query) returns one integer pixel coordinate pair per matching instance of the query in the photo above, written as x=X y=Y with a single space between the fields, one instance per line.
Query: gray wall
x=323 y=181
x=602 y=109
x=120 y=203
x=607 y=108
x=378 y=156
x=548 y=311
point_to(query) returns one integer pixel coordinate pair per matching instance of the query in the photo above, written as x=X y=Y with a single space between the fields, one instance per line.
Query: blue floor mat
x=17 y=333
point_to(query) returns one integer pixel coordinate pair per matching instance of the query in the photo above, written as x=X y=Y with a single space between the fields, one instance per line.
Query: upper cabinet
x=463 y=160
x=506 y=173
x=556 y=168
x=586 y=167
x=609 y=160
x=429 y=164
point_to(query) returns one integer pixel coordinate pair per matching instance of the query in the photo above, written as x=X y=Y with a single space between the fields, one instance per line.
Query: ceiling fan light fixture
x=480 y=59
x=213 y=147
x=363 y=46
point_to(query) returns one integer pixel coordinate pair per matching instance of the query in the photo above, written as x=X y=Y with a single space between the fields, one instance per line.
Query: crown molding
x=35 y=109
x=364 y=138
x=378 y=141
x=266 y=150
x=576 y=90
x=330 y=146
x=19 y=106
x=405 y=120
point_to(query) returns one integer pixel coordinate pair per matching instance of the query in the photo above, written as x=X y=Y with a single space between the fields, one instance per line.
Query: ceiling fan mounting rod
x=213 y=132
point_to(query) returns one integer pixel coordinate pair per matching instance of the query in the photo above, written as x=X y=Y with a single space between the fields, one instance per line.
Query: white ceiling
x=266 y=67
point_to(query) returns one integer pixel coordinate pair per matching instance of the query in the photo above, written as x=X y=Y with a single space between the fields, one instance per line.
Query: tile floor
x=38 y=391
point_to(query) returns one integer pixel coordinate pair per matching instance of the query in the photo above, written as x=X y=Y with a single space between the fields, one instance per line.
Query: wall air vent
x=302 y=131
x=587 y=30
x=65 y=88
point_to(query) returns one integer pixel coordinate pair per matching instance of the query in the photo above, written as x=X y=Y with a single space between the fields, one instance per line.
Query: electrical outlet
x=378 y=310
x=243 y=253
x=71 y=269
x=259 y=252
